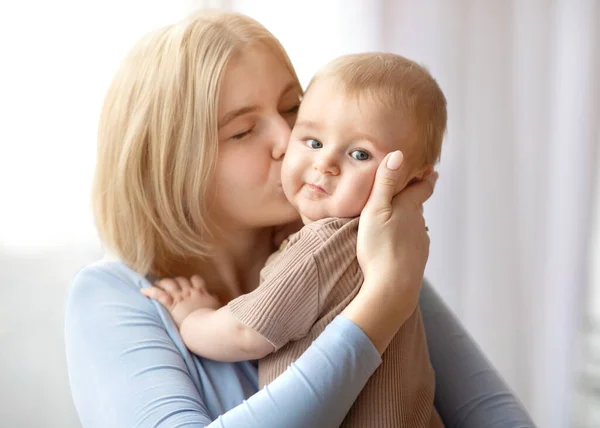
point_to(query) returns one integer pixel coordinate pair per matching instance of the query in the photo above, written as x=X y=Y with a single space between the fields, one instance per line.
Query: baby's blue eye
x=360 y=155
x=314 y=144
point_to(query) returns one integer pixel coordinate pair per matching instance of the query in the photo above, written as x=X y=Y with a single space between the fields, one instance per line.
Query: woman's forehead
x=254 y=77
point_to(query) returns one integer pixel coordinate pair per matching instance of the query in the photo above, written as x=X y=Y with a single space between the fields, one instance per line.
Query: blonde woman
x=193 y=130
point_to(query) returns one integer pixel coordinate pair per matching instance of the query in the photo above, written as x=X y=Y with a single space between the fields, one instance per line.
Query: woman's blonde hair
x=158 y=139
x=400 y=84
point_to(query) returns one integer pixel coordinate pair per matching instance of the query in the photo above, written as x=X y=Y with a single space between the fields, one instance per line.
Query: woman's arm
x=318 y=389
x=126 y=369
x=469 y=391
x=392 y=250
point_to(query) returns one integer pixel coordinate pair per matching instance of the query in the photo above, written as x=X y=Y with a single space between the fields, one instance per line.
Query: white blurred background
x=515 y=221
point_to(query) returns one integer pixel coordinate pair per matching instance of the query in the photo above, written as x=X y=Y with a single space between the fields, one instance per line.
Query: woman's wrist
x=380 y=314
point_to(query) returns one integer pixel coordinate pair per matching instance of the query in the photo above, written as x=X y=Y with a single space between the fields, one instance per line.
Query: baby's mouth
x=317 y=188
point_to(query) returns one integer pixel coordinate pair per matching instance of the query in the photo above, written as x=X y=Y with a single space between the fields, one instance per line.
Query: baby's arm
x=207 y=330
x=218 y=335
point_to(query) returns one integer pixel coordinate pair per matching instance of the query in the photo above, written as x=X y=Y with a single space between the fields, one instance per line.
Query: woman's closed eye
x=290 y=115
x=292 y=110
x=314 y=144
x=242 y=135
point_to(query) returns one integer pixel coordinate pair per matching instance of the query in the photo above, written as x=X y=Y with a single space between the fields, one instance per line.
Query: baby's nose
x=326 y=165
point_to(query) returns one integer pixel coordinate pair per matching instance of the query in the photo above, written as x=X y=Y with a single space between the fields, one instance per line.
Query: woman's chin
x=288 y=214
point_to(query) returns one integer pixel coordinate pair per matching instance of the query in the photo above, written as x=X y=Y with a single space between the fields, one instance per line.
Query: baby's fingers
x=198 y=282
x=159 y=295
x=169 y=285
x=183 y=284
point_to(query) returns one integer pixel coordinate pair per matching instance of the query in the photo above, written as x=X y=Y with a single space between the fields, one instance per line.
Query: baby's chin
x=309 y=216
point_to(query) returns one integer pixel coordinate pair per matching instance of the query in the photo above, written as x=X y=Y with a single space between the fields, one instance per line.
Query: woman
x=191 y=138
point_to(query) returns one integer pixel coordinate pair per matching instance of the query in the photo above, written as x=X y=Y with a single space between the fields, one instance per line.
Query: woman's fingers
x=386 y=183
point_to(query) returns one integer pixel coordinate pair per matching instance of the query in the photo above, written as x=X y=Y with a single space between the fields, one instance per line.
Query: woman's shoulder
x=111 y=271
x=106 y=282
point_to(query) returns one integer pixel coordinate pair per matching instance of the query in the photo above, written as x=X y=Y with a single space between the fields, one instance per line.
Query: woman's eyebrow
x=236 y=113
x=228 y=117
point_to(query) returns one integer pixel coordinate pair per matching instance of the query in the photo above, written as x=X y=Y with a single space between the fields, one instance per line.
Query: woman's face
x=257 y=108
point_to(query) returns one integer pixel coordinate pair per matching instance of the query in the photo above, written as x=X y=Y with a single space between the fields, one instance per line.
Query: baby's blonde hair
x=400 y=84
x=158 y=139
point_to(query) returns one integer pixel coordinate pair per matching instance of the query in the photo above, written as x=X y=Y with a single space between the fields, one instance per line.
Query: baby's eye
x=360 y=155
x=314 y=144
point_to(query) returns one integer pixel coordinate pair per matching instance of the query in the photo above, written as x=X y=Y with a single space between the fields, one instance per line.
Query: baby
x=356 y=110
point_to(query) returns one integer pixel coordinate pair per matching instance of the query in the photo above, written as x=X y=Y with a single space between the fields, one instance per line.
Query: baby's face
x=335 y=148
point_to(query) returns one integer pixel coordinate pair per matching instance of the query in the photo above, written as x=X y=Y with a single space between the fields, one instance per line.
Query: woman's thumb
x=386 y=180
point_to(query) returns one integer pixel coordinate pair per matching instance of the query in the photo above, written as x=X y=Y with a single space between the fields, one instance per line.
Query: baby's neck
x=307 y=221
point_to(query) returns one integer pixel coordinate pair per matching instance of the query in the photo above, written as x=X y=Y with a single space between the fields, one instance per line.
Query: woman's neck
x=234 y=267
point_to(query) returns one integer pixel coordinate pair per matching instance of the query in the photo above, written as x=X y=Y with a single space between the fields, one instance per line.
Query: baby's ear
x=420 y=174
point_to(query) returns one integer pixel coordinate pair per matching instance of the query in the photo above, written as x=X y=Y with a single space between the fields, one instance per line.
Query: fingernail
x=394 y=161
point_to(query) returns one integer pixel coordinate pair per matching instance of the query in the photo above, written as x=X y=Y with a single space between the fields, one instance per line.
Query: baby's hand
x=182 y=296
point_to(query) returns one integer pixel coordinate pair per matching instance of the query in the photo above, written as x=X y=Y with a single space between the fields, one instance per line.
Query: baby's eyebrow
x=310 y=124
x=367 y=137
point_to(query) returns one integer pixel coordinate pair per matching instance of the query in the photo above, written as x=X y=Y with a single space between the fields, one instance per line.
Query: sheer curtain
x=509 y=222
x=511 y=218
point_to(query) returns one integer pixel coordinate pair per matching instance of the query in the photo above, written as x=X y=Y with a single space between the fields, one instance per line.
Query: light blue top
x=128 y=367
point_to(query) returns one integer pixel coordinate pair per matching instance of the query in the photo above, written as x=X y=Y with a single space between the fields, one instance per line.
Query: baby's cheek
x=354 y=199
x=291 y=178
x=363 y=191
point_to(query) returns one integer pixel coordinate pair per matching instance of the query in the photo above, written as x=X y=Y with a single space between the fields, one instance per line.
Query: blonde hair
x=400 y=84
x=158 y=139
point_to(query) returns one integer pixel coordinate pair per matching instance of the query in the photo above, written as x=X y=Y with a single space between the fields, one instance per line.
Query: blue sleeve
x=126 y=370
x=318 y=389
x=469 y=391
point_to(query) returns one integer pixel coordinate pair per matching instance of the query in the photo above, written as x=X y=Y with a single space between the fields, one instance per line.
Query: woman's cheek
x=244 y=169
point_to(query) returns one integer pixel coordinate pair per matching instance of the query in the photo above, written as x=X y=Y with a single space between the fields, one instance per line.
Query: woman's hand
x=392 y=250
x=393 y=244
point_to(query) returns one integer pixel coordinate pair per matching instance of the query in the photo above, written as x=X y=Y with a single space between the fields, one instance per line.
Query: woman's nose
x=281 y=136
x=326 y=165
